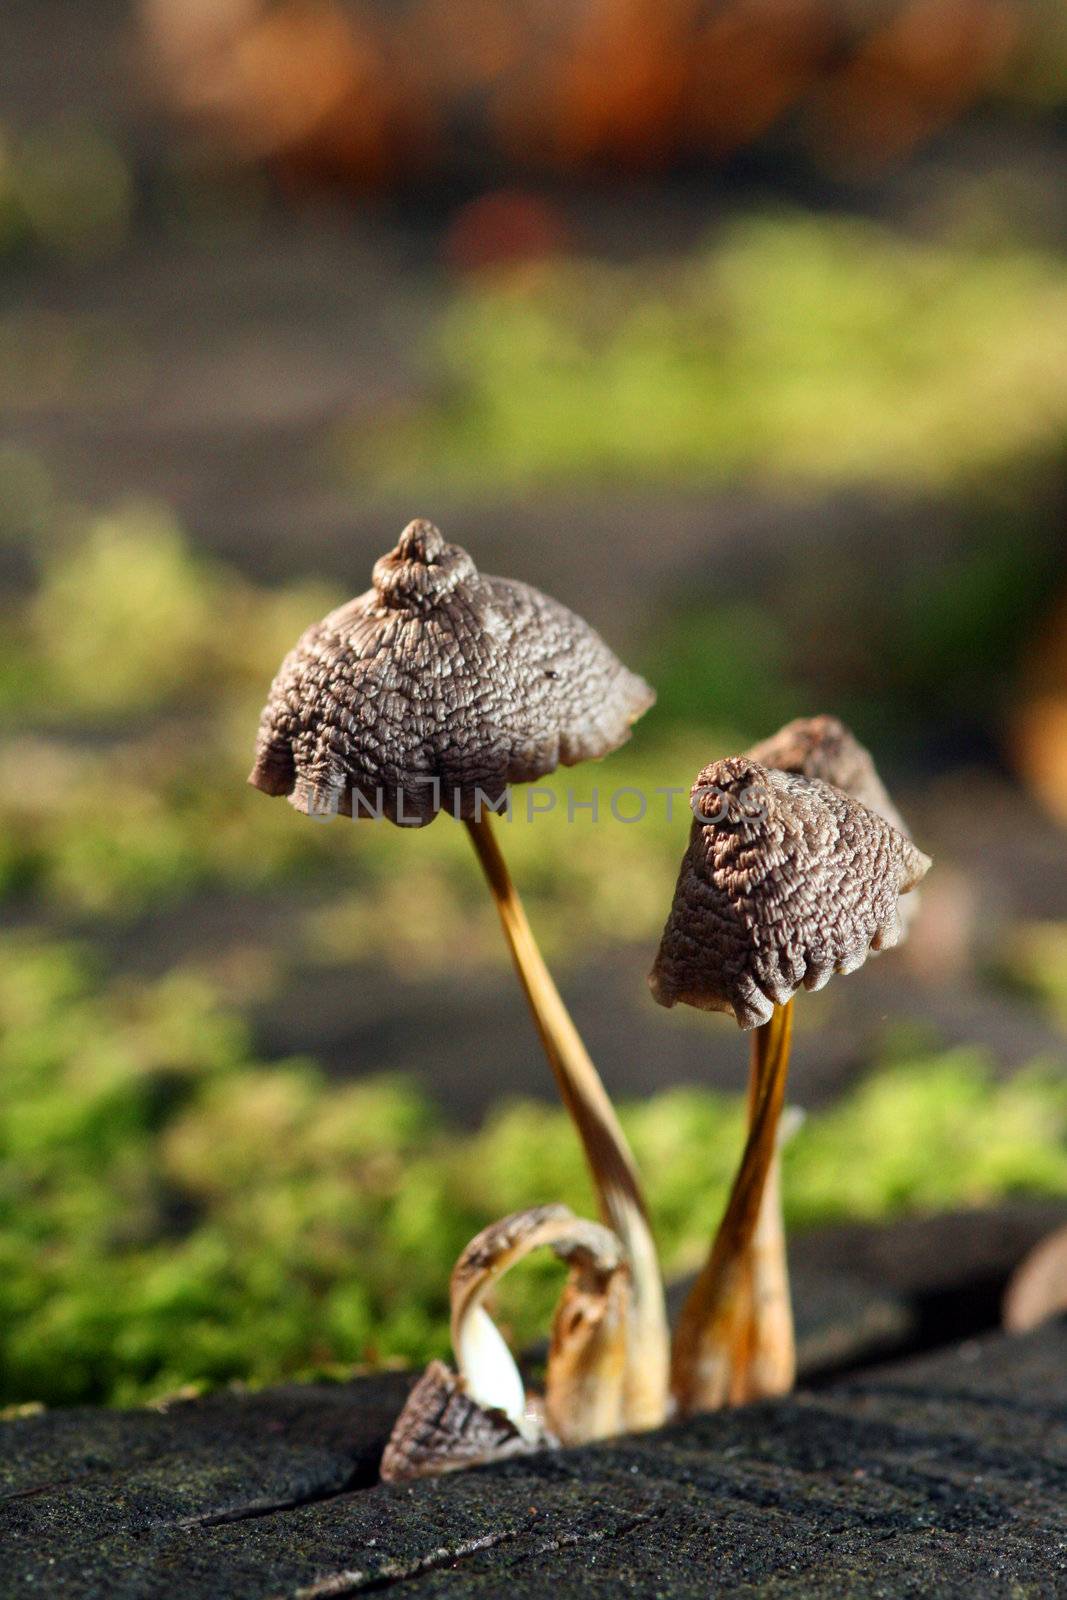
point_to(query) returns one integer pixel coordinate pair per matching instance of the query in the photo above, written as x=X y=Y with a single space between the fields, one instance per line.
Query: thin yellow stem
x=610 y=1159
x=720 y=1342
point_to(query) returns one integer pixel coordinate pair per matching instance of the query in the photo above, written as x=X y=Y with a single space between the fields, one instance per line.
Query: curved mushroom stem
x=735 y=1336
x=622 y=1203
x=588 y=1357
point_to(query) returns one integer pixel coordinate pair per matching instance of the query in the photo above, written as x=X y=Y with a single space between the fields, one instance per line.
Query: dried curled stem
x=482 y=1413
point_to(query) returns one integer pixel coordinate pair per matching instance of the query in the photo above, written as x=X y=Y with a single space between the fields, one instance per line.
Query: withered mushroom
x=786 y=881
x=436 y=690
x=482 y=1413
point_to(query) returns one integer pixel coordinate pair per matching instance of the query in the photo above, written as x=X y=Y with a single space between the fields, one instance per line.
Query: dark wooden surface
x=944 y=1475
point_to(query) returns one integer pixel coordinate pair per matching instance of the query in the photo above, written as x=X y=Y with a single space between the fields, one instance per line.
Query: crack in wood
x=36 y=1489
x=566 y=1541
x=393 y=1572
x=266 y=1508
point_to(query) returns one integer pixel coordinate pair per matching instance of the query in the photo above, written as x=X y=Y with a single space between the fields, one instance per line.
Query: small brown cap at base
x=441 y=1429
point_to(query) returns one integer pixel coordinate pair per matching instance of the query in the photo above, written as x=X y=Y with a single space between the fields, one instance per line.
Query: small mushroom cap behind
x=437 y=689
x=786 y=880
x=823 y=747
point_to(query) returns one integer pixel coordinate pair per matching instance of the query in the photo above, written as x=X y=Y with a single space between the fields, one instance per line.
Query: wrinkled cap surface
x=437 y=689
x=823 y=747
x=443 y=1429
x=786 y=880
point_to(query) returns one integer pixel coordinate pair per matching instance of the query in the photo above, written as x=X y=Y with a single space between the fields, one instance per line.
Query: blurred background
x=738 y=325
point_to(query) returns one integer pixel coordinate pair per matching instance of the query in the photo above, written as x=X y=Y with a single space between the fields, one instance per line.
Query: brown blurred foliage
x=1037 y=1291
x=1039 y=723
x=369 y=92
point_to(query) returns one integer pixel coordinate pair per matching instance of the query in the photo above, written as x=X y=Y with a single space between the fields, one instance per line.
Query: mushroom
x=813 y=747
x=442 y=1429
x=786 y=880
x=482 y=1413
x=436 y=690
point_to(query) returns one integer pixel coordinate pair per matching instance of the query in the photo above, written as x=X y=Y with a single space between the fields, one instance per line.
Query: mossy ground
x=176 y=1212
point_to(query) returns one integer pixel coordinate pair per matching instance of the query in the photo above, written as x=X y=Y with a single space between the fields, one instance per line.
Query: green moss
x=1034 y=964
x=813 y=349
x=174 y=1212
x=934 y=1131
x=124 y=616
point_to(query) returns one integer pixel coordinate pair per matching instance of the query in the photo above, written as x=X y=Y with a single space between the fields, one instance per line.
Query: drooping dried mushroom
x=786 y=880
x=483 y=1413
x=436 y=690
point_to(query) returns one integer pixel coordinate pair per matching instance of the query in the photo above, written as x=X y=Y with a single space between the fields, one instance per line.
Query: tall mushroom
x=482 y=1413
x=436 y=690
x=785 y=881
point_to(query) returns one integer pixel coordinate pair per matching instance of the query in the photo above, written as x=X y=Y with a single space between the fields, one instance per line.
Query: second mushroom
x=787 y=879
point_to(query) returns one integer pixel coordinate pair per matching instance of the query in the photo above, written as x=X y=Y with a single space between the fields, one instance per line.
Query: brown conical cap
x=443 y=1429
x=786 y=880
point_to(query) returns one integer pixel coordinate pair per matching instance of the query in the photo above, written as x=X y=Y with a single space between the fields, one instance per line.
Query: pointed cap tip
x=422 y=569
x=422 y=541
